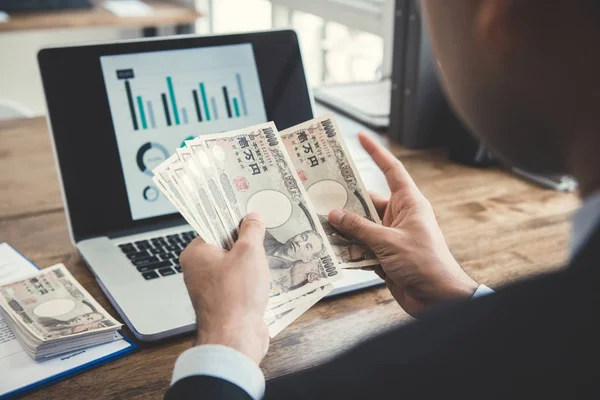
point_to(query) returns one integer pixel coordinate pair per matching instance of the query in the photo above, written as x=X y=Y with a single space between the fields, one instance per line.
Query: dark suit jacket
x=537 y=339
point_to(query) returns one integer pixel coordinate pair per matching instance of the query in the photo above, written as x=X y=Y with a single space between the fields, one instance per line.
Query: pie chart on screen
x=150 y=193
x=149 y=156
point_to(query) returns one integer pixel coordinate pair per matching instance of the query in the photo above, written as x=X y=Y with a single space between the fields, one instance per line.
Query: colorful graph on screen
x=159 y=99
x=194 y=105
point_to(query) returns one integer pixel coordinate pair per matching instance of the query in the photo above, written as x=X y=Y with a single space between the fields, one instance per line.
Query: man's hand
x=416 y=264
x=230 y=290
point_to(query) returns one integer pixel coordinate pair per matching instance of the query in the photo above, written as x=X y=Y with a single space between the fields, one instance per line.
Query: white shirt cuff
x=482 y=290
x=221 y=362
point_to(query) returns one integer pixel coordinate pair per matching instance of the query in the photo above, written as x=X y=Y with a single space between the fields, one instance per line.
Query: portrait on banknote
x=295 y=262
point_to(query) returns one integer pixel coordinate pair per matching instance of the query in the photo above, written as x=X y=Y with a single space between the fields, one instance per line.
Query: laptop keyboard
x=158 y=256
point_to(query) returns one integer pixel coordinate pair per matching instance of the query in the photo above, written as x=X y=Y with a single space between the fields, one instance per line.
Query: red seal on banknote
x=241 y=184
x=302 y=175
x=312 y=277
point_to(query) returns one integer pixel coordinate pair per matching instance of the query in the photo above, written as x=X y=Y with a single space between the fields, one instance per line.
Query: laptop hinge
x=148 y=228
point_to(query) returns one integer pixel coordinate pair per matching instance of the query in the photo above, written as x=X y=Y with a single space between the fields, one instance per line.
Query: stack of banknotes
x=292 y=179
x=50 y=313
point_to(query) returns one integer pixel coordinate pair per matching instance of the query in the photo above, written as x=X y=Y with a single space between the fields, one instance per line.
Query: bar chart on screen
x=159 y=99
x=160 y=105
x=171 y=89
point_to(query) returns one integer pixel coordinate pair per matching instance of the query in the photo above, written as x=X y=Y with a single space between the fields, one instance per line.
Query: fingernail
x=254 y=216
x=336 y=216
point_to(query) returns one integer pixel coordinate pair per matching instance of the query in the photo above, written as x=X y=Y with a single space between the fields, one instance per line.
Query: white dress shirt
x=231 y=365
x=221 y=362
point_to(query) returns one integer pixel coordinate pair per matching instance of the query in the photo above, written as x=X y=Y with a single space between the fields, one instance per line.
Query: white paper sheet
x=17 y=369
x=13 y=266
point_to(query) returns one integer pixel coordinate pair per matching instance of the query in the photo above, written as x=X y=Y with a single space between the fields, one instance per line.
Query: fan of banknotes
x=50 y=313
x=292 y=179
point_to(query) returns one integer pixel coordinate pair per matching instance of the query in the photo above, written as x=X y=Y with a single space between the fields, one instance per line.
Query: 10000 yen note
x=332 y=181
x=186 y=188
x=318 y=293
x=255 y=174
x=202 y=161
x=280 y=318
x=52 y=305
x=201 y=193
x=162 y=186
x=164 y=182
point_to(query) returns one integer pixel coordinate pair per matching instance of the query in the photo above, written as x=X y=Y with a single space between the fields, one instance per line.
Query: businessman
x=524 y=75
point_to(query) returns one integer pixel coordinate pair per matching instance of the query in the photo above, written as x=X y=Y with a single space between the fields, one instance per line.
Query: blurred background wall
x=332 y=51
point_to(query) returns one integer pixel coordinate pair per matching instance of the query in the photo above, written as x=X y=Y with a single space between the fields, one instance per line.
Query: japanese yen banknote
x=293 y=179
x=331 y=179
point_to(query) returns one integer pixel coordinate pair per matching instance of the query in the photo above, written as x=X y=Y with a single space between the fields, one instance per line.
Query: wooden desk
x=165 y=13
x=499 y=227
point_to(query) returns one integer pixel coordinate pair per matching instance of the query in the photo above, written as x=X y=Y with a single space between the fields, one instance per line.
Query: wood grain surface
x=164 y=13
x=499 y=227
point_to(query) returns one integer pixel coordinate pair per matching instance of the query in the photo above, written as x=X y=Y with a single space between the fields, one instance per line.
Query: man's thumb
x=252 y=230
x=355 y=226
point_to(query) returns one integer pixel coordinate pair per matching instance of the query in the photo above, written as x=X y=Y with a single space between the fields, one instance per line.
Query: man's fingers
x=198 y=240
x=379 y=202
x=198 y=251
x=252 y=230
x=356 y=227
x=396 y=175
x=380 y=272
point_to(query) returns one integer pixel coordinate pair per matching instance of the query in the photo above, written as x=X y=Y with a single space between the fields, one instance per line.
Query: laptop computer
x=116 y=110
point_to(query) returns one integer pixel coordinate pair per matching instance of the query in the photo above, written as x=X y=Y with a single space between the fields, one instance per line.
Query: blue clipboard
x=72 y=372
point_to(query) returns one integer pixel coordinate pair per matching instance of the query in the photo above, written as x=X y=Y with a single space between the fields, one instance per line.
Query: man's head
x=523 y=75
x=305 y=246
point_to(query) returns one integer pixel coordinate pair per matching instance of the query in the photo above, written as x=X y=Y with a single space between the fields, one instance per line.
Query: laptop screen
x=118 y=109
x=159 y=99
